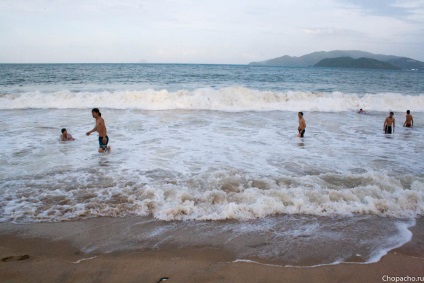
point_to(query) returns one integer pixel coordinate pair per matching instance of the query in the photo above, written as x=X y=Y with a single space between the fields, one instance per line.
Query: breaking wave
x=231 y=99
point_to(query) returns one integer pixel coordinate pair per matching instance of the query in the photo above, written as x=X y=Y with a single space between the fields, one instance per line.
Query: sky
x=204 y=31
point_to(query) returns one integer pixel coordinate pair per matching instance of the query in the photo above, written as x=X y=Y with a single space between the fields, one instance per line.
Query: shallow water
x=181 y=165
x=285 y=240
x=218 y=148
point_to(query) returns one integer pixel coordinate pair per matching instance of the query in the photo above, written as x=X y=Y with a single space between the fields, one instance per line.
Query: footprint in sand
x=15 y=258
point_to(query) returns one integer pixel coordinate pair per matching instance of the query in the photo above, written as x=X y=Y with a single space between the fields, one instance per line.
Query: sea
x=208 y=155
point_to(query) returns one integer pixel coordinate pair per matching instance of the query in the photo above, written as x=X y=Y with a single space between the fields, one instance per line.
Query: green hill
x=349 y=62
x=311 y=59
x=407 y=63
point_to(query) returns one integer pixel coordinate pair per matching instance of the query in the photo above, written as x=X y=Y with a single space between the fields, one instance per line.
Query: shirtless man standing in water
x=101 y=129
x=302 y=125
x=387 y=127
x=409 y=120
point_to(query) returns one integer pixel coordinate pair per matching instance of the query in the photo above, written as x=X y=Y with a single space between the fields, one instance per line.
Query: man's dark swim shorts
x=103 y=145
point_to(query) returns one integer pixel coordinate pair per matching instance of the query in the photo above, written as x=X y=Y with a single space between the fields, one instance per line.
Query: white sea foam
x=394 y=241
x=221 y=195
x=232 y=99
x=203 y=165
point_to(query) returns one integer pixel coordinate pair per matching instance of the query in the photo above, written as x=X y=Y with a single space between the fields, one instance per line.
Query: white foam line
x=325 y=264
x=295 y=266
x=291 y=266
x=252 y=261
x=229 y=240
x=160 y=242
x=406 y=237
x=78 y=261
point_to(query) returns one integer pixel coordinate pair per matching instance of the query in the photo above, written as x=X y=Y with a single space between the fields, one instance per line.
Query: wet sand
x=28 y=257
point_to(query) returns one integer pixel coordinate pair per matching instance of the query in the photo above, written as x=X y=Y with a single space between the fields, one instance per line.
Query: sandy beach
x=30 y=256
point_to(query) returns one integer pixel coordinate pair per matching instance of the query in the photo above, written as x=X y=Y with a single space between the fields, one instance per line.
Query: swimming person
x=302 y=125
x=409 y=120
x=100 y=128
x=361 y=111
x=387 y=127
x=65 y=136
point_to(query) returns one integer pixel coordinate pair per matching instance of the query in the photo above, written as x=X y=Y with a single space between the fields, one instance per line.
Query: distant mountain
x=406 y=63
x=311 y=59
x=361 y=63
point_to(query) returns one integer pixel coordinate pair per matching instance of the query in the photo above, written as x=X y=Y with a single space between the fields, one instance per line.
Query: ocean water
x=211 y=151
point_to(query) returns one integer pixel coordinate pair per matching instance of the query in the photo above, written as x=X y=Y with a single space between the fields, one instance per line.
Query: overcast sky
x=204 y=31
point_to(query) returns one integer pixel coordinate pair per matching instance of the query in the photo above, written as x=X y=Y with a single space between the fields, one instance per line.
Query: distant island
x=361 y=63
x=310 y=60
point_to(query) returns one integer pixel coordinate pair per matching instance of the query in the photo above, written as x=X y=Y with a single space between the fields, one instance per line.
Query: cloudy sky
x=204 y=31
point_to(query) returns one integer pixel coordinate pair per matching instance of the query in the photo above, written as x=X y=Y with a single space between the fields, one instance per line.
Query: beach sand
x=26 y=257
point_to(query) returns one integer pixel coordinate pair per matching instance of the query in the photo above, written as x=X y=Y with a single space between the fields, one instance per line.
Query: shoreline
x=28 y=256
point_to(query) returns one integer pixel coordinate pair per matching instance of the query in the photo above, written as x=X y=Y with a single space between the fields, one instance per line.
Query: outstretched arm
x=93 y=130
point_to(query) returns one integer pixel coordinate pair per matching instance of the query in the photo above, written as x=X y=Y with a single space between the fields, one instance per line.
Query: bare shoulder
x=100 y=121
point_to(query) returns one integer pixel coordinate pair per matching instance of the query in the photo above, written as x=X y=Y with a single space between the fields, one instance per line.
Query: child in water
x=65 y=136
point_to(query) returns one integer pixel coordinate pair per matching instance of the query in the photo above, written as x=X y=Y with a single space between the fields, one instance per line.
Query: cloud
x=189 y=31
x=331 y=32
x=414 y=8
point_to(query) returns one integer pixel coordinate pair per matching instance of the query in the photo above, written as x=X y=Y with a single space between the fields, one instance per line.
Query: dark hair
x=407 y=111
x=63 y=130
x=301 y=113
x=97 y=111
x=392 y=113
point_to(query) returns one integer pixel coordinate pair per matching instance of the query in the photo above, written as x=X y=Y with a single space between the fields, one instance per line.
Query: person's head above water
x=97 y=111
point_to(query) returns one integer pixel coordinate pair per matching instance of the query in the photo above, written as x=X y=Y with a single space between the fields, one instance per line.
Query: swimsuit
x=103 y=145
x=301 y=132
x=388 y=130
x=408 y=125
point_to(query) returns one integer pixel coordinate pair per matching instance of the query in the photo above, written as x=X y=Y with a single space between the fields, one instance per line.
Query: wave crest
x=231 y=99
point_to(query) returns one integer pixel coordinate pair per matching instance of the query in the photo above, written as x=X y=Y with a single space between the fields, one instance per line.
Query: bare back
x=409 y=119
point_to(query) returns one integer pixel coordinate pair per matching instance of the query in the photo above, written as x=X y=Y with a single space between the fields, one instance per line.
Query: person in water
x=361 y=111
x=302 y=125
x=65 y=136
x=409 y=120
x=100 y=128
x=389 y=124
